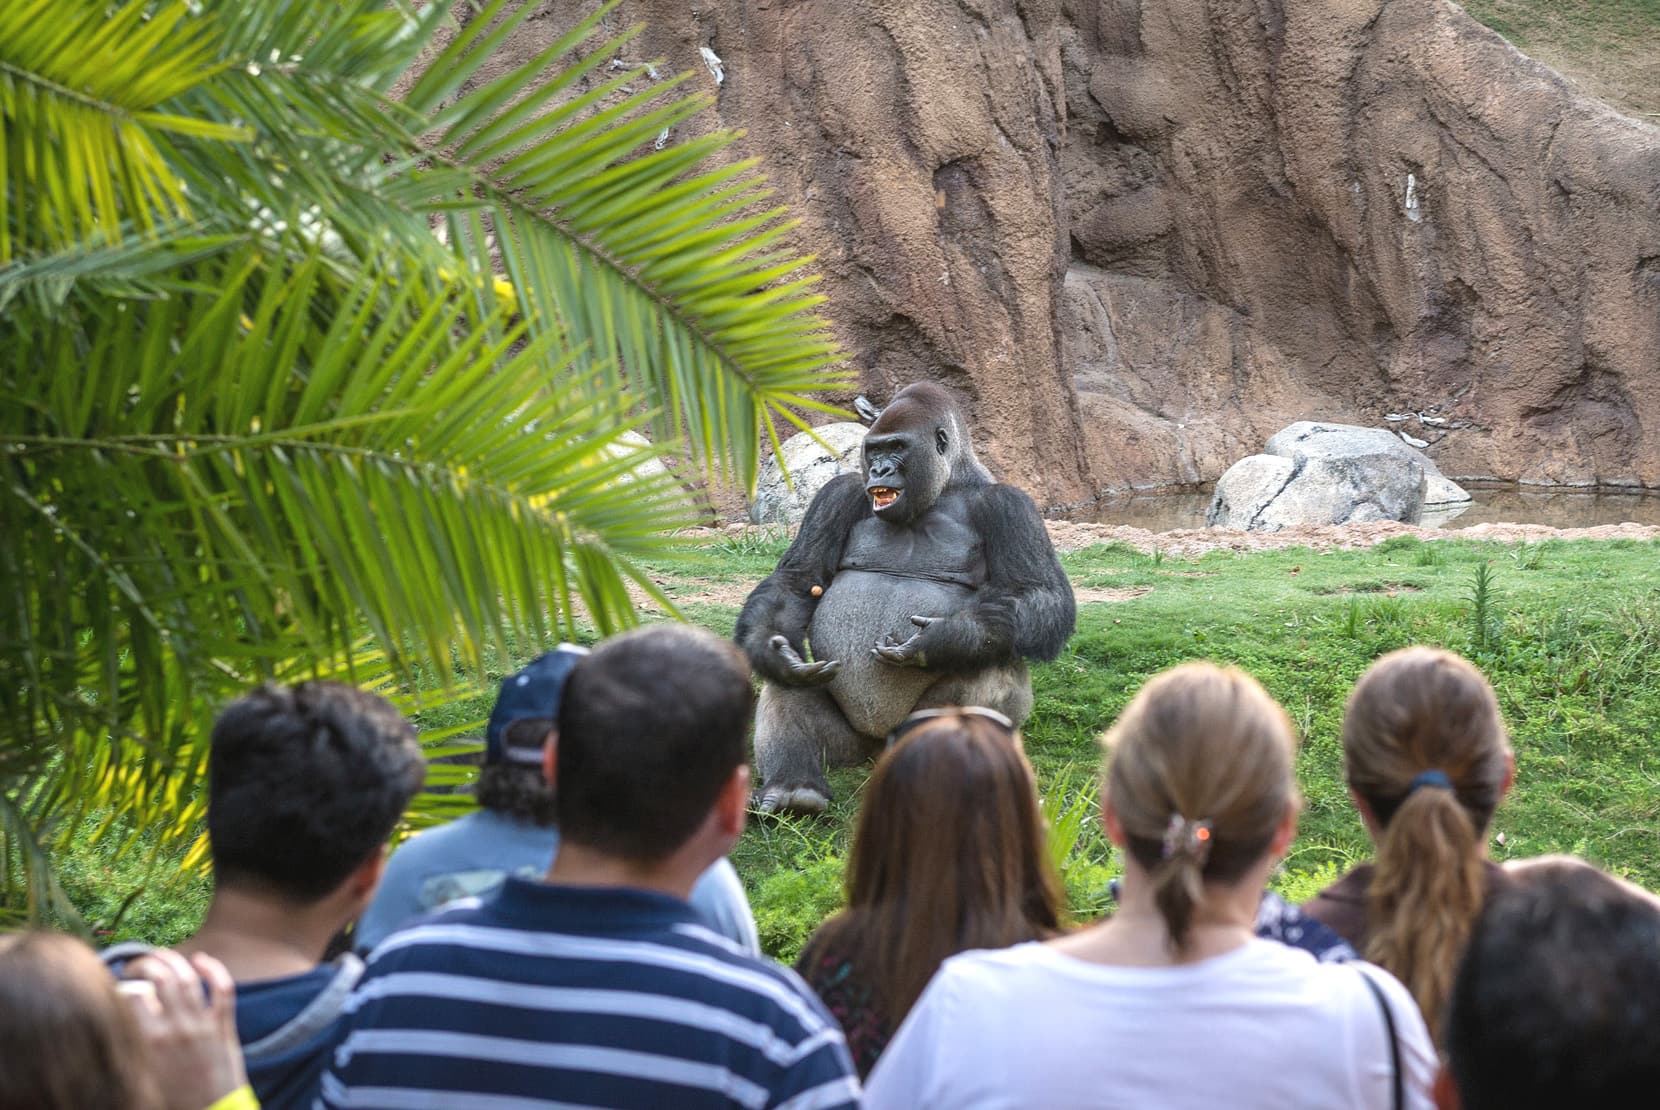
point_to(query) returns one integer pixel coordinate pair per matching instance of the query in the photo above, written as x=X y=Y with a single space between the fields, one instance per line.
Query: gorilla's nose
x=883 y=468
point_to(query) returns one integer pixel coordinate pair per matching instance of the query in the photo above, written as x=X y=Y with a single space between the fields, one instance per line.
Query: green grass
x=1569 y=633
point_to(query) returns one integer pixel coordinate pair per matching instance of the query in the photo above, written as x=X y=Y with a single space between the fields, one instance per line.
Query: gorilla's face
x=908 y=454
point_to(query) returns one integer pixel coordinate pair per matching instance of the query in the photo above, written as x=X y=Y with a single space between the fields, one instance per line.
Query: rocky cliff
x=1140 y=237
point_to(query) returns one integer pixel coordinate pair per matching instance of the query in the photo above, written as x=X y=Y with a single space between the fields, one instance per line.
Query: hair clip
x=1189 y=838
x=1437 y=779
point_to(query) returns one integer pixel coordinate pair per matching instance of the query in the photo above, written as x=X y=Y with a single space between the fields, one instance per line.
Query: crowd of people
x=582 y=941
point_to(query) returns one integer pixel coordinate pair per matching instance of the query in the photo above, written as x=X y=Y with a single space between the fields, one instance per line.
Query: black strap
x=1394 y=1042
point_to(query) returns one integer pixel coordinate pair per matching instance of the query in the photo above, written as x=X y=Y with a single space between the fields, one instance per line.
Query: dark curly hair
x=519 y=790
x=304 y=783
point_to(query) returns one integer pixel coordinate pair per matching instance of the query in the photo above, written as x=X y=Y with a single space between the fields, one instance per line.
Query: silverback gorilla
x=921 y=582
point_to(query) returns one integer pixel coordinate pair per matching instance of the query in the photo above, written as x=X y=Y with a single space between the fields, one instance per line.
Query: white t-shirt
x=1262 y=1026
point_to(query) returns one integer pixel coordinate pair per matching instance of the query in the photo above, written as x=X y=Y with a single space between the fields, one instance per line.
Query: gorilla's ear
x=942 y=442
x=867 y=411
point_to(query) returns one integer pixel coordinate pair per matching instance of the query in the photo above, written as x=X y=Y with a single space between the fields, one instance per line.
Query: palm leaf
x=81 y=130
x=647 y=256
x=257 y=419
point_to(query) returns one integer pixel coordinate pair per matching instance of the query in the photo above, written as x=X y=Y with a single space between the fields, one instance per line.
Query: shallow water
x=1555 y=508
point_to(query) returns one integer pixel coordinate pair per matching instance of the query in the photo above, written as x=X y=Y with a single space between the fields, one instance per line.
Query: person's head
x=1426 y=758
x=67 y=1039
x=1556 y=1001
x=305 y=785
x=949 y=853
x=1199 y=786
x=522 y=723
x=650 y=750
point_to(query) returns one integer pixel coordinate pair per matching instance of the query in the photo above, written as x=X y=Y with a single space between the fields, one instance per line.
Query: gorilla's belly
x=856 y=612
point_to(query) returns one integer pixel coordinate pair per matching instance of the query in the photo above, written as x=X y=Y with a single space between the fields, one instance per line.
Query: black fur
x=988 y=593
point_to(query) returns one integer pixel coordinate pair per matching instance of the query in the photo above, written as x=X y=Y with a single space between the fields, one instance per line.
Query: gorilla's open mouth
x=883 y=496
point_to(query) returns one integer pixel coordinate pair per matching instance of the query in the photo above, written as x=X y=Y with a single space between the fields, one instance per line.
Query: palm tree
x=299 y=377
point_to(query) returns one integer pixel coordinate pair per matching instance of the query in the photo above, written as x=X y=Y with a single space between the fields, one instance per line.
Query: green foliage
x=296 y=379
x=1485 y=625
x=789 y=905
x=1577 y=673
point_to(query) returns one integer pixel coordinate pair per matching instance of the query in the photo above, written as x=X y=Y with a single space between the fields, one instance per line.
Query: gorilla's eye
x=940 y=440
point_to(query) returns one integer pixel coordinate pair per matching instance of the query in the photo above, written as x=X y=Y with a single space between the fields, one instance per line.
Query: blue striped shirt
x=558 y=997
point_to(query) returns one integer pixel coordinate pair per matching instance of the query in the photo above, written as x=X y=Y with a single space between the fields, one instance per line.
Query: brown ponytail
x=1424 y=746
x=1199 y=774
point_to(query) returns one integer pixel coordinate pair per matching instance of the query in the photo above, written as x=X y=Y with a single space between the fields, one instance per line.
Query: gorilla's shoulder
x=839 y=500
x=1000 y=502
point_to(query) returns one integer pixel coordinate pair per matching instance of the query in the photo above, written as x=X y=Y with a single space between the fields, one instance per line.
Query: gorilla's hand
x=906 y=653
x=792 y=670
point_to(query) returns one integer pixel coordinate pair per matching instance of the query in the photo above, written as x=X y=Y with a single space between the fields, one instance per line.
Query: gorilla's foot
x=804 y=801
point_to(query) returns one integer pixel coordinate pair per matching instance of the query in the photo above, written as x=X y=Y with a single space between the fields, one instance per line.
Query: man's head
x=651 y=739
x=522 y=721
x=305 y=784
x=1557 y=1001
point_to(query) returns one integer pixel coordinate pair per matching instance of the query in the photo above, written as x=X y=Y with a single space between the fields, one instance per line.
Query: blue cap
x=530 y=693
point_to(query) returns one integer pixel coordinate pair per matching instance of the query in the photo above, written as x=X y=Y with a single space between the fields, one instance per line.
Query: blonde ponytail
x=1425 y=747
x=1178 y=888
x=1425 y=894
x=1199 y=774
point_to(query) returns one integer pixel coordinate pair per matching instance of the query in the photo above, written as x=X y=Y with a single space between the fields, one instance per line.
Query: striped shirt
x=556 y=997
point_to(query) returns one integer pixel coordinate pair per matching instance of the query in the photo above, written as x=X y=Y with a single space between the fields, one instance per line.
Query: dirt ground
x=1191 y=542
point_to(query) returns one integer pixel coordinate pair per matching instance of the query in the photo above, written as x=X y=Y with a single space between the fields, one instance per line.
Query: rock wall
x=1348 y=209
x=1141 y=236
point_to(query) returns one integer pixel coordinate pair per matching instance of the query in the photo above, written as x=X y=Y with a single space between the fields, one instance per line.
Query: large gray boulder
x=1317 y=473
x=811 y=468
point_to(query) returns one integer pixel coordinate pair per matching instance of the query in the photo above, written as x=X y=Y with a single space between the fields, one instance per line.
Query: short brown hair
x=651 y=726
x=1422 y=710
x=1206 y=743
x=305 y=784
x=949 y=855
x=67 y=1039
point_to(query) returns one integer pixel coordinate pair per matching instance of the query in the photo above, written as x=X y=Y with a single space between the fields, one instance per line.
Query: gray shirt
x=471 y=856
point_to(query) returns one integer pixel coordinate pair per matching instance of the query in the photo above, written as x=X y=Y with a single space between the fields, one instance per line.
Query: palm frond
x=258 y=419
x=81 y=123
x=617 y=240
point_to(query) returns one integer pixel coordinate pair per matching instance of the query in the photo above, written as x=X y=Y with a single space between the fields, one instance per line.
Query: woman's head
x=949 y=854
x=1425 y=753
x=66 y=1036
x=1199 y=782
x=1416 y=712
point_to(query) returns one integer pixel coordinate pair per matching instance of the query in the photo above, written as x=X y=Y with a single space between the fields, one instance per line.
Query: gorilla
x=920 y=582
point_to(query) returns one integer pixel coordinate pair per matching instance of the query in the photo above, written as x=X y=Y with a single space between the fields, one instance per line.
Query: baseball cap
x=531 y=692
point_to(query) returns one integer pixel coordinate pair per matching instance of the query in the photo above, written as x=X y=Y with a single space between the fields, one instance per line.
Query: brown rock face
x=1356 y=207
x=1141 y=237
x=919 y=142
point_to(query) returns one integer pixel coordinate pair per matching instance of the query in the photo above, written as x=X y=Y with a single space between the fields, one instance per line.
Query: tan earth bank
x=1188 y=543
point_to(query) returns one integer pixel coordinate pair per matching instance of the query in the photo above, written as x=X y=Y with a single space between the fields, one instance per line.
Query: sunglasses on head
x=923 y=716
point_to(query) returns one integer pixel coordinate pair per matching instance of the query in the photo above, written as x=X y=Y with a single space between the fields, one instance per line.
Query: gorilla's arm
x=782 y=605
x=1023 y=575
x=1025 y=609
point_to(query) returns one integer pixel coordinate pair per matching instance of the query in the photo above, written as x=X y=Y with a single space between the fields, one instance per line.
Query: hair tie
x=1436 y=779
x=1189 y=838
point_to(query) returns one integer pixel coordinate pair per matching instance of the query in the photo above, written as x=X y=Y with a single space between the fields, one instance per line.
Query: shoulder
x=434 y=843
x=1342 y=906
x=839 y=494
x=995 y=497
x=1279 y=920
x=754 y=986
x=997 y=976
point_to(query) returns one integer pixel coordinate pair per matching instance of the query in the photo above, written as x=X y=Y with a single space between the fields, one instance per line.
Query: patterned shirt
x=558 y=997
